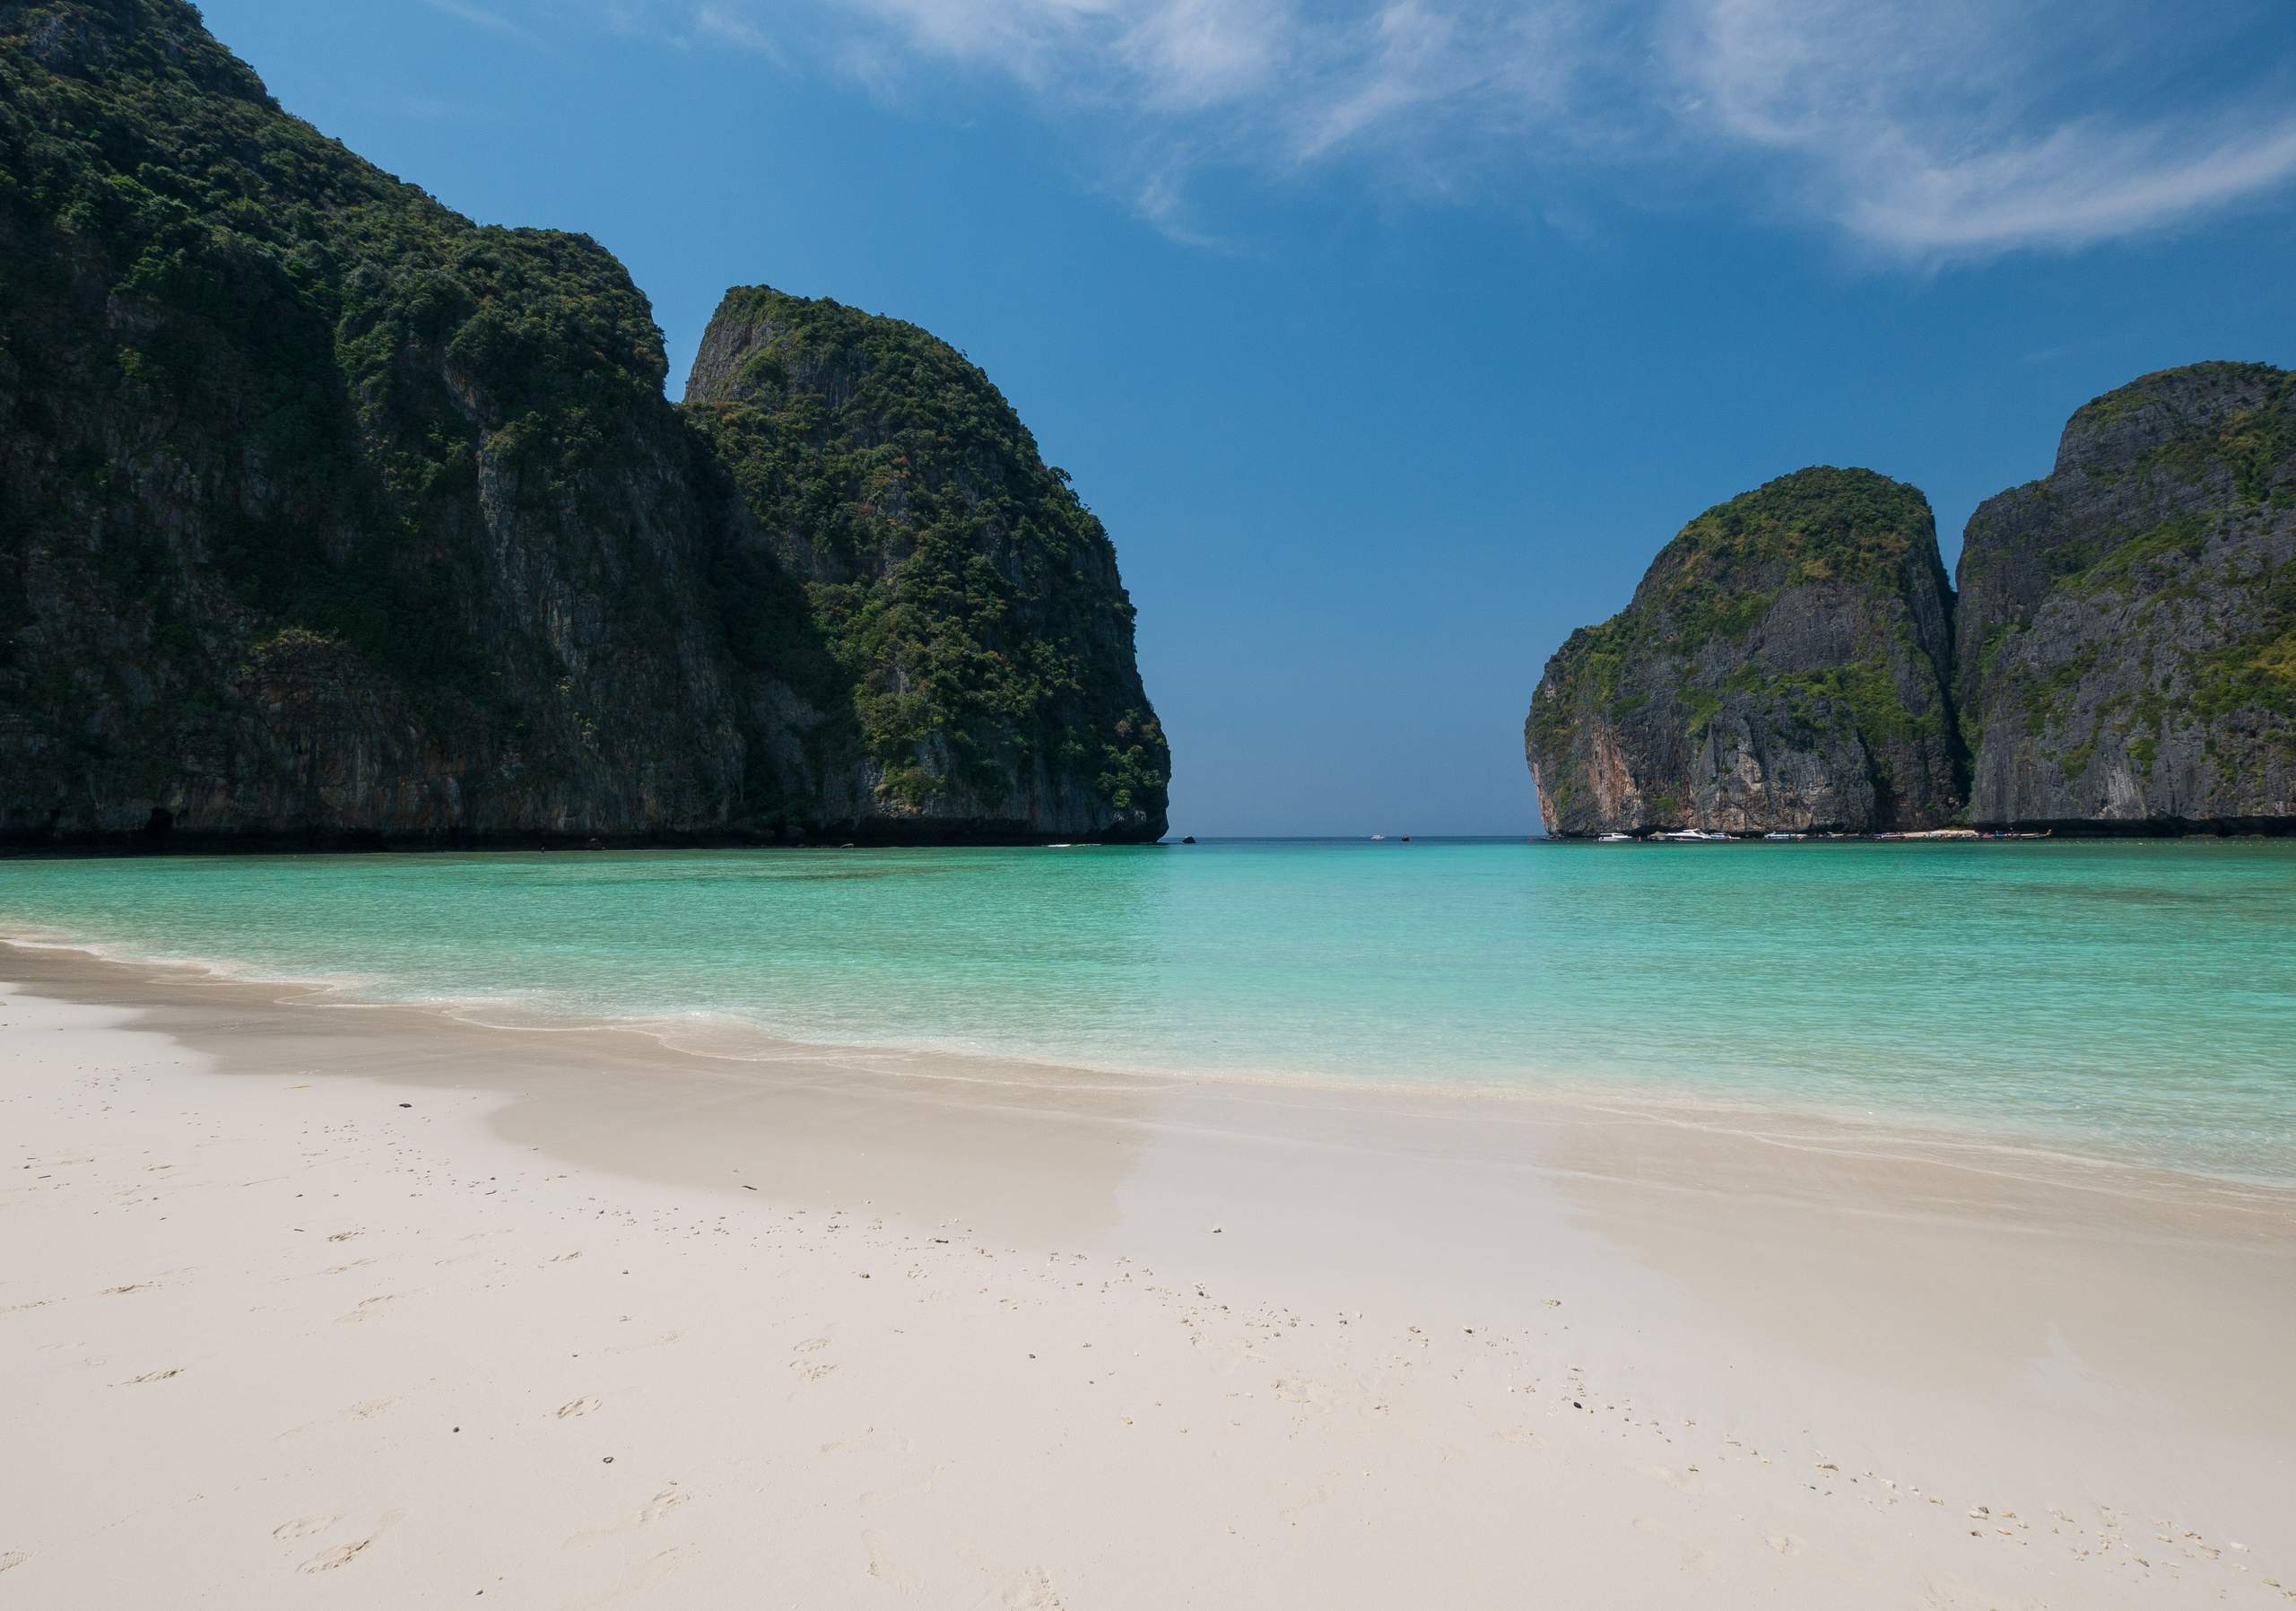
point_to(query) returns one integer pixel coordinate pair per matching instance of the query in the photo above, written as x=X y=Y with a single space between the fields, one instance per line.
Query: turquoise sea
x=2131 y=998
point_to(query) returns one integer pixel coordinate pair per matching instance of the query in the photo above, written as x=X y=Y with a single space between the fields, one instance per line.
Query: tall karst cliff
x=2127 y=625
x=328 y=516
x=1783 y=664
x=976 y=645
x=2120 y=656
x=321 y=506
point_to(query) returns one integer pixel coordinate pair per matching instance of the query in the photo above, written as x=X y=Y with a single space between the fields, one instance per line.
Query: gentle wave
x=2071 y=999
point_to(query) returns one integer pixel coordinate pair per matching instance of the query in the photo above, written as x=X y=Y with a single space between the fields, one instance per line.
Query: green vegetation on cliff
x=962 y=588
x=2129 y=622
x=261 y=263
x=2245 y=462
x=324 y=510
x=1718 y=585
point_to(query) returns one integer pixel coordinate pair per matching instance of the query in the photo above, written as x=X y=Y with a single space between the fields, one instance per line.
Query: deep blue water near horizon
x=2134 y=998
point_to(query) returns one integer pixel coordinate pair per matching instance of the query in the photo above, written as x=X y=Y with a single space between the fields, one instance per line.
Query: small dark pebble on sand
x=407 y=1104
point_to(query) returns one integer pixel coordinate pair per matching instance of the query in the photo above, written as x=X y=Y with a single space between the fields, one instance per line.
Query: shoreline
x=1627 y=1355
x=339 y=842
x=1865 y=1124
x=172 y=840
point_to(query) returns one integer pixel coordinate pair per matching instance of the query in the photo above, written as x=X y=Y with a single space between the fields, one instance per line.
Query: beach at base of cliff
x=299 y=1289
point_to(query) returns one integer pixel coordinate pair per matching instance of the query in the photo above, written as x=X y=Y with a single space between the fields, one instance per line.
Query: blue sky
x=1392 y=339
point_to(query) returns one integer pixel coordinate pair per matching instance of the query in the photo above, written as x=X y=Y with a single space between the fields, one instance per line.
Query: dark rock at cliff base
x=2127 y=625
x=1784 y=666
x=970 y=642
x=327 y=516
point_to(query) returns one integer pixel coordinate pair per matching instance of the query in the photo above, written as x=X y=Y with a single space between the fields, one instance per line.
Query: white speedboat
x=1784 y=838
x=1694 y=836
x=1614 y=838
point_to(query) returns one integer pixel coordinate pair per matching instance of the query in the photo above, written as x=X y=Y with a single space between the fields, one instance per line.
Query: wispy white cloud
x=492 y=22
x=730 y=25
x=1961 y=128
x=1952 y=129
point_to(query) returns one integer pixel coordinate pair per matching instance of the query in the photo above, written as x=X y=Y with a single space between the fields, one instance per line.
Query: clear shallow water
x=2137 y=998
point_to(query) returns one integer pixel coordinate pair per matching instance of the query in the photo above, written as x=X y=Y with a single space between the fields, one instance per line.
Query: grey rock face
x=1783 y=666
x=2127 y=625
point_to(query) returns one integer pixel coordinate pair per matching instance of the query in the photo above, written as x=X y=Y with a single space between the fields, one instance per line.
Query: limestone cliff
x=329 y=516
x=974 y=661
x=2127 y=625
x=1783 y=665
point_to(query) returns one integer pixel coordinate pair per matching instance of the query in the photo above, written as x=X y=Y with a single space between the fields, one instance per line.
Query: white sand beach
x=305 y=1304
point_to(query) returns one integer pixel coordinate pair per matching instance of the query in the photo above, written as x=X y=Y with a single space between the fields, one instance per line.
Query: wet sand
x=306 y=1300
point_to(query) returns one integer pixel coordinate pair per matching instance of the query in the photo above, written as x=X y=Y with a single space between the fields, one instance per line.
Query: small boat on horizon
x=1688 y=836
x=1614 y=838
x=1780 y=837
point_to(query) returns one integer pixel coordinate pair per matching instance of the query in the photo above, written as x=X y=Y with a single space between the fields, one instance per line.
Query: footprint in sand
x=884 y=1569
x=341 y=1555
x=813 y=1371
x=369 y=1410
x=870 y=1440
x=153 y=1376
x=367 y=1309
x=1032 y=1590
x=644 y=1575
x=666 y=1339
x=577 y=1407
x=343 y=1236
x=1783 y=1544
x=14 y=1558
x=669 y=1499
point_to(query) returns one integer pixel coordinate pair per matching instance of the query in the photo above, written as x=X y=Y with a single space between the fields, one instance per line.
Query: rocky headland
x=2127 y=624
x=328 y=516
x=1783 y=665
x=2119 y=656
x=967 y=644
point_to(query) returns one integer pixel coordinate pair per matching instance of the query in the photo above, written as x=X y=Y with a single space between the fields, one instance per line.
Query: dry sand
x=304 y=1303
